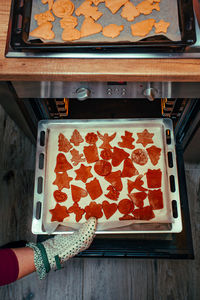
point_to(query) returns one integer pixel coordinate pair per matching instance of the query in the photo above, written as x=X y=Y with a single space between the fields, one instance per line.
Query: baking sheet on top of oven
x=115 y=170
x=165 y=10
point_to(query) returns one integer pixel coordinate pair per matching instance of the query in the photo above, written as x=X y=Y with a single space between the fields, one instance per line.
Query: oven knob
x=83 y=94
x=150 y=93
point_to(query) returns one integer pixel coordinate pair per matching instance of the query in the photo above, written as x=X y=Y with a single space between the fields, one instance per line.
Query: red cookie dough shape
x=156 y=199
x=138 y=198
x=127 y=140
x=62 y=165
x=93 y=210
x=125 y=206
x=76 y=138
x=63 y=143
x=91 y=138
x=139 y=156
x=102 y=167
x=94 y=189
x=145 y=138
x=79 y=212
x=91 y=153
x=118 y=156
x=83 y=173
x=129 y=170
x=106 y=154
x=113 y=194
x=62 y=180
x=145 y=213
x=114 y=178
x=126 y=218
x=78 y=193
x=154 y=178
x=137 y=184
x=59 y=196
x=154 y=154
x=106 y=140
x=59 y=213
x=76 y=157
x=109 y=209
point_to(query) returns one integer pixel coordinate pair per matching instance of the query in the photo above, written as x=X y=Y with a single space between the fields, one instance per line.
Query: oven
x=118 y=100
x=32 y=101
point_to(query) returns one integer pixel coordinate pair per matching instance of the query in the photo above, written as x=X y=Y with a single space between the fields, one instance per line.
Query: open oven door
x=170 y=245
x=185 y=116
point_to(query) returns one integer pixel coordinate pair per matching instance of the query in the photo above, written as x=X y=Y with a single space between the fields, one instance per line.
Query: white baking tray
x=166 y=221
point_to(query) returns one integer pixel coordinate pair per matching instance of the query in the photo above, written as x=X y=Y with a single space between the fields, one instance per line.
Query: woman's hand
x=54 y=251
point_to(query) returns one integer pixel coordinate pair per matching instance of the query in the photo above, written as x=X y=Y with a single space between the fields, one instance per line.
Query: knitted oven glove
x=54 y=251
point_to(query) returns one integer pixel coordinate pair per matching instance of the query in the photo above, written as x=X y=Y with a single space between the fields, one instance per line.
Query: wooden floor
x=87 y=278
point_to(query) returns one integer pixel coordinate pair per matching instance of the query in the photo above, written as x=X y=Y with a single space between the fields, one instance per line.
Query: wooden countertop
x=41 y=69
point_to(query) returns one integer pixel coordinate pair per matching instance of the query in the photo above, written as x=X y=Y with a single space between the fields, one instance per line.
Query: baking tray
x=41 y=192
x=21 y=14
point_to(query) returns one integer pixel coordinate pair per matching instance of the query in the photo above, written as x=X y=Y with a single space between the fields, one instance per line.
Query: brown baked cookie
x=152 y=1
x=142 y=28
x=43 y=31
x=129 y=11
x=96 y=2
x=88 y=10
x=146 y=8
x=44 y=1
x=44 y=17
x=90 y=27
x=68 y=21
x=161 y=26
x=50 y=3
x=112 y=30
x=71 y=34
x=62 y=8
x=114 y=5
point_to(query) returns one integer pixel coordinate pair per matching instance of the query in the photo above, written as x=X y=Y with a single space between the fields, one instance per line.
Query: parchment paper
x=161 y=216
x=168 y=12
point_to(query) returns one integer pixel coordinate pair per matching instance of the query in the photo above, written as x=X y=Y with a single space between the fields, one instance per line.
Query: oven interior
x=182 y=111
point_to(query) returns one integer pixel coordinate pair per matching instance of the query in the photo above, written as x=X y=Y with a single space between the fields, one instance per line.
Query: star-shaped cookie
x=83 y=173
x=145 y=138
x=59 y=213
x=161 y=26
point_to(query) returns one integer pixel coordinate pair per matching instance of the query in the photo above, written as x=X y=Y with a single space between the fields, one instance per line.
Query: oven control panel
x=87 y=90
x=106 y=90
x=117 y=90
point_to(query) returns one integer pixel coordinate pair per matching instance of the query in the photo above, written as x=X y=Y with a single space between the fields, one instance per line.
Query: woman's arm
x=25 y=257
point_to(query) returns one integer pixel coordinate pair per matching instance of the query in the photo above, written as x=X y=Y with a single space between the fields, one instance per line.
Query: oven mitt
x=51 y=253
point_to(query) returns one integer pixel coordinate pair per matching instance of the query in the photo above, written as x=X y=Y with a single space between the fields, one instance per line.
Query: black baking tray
x=21 y=16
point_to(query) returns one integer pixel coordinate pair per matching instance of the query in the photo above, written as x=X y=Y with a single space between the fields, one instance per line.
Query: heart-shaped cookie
x=90 y=27
x=109 y=209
